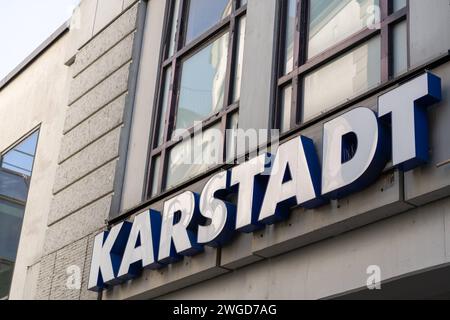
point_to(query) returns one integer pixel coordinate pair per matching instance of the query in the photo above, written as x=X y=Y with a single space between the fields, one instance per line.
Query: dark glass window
x=202 y=85
x=334 y=50
x=16 y=166
x=199 y=89
x=204 y=14
x=20 y=158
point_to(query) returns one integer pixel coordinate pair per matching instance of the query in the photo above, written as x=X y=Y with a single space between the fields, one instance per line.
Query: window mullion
x=168 y=126
x=171 y=110
x=385 y=41
x=408 y=35
x=300 y=54
x=231 y=57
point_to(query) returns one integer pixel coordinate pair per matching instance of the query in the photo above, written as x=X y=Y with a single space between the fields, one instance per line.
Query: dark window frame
x=302 y=66
x=182 y=52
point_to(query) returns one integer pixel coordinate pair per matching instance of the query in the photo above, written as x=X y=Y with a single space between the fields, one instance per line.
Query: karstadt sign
x=356 y=148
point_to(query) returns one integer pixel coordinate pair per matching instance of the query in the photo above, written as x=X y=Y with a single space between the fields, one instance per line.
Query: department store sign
x=356 y=148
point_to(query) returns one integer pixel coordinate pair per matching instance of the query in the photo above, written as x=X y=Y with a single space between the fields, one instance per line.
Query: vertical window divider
x=230 y=56
x=231 y=68
x=281 y=44
x=386 y=72
x=297 y=61
x=408 y=35
x=300 y=53
x=170 y=9
x=172 y=101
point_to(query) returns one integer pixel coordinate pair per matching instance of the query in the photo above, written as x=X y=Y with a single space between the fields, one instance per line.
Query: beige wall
x=94 y=140
x=37 y=97
x=90 y=18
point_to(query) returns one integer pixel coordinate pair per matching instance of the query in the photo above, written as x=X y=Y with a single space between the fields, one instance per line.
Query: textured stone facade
x=84 y=184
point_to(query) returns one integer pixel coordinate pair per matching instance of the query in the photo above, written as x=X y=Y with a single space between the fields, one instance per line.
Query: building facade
x=103 y=125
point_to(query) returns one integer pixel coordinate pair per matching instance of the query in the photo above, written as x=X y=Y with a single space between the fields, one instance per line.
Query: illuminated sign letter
x=141 y=250
x=106 y=257
x=354 y=152
x=249 y=178
x=294 y=180
x=219 y=213
x=407 y=107
x=178 y=231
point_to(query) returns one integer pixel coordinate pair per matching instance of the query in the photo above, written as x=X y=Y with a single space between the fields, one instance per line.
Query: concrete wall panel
x=255 y=103
x=429 y=30
x=400 y=245
x=135 y=174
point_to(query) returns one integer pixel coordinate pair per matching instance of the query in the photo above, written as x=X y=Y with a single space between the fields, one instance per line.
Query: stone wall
x=89 y=157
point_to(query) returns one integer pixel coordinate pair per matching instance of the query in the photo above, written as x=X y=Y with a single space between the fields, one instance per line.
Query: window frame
x=302 y=66
x=182 y=52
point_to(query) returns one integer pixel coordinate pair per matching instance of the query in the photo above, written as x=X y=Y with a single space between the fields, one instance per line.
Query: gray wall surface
x=93 y=136
x=27 y=103
x=409 y=243
x=429 y=30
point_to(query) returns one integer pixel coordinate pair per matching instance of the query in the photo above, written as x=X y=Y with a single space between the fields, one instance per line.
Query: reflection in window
x=203 y=83
x=203 y=14
x=400 y=43
x=286 y=102
x=173 y=28
x=332 y=21
x=398 y=5
x=289 y=36
x=342 y=78
x=201 y=78
x=164 y=106
x=231 y=137
x=20 y=159
x=15 y=173
x=11 y=215
x=342 y=51
x=155 y=171
x=239 y=59
x=194 y=155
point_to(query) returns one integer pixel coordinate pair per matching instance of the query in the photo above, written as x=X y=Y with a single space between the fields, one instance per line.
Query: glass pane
x=6 y=273
x=398 y=4
x=342 y=79
x=233 y=125
x=203 y=83
x=289 y=40
x=243 y=3
x=14 y=185
x=204 y=14
x=155 y=175
x=11 y=215
x=21 y=158
x=239 y=59
x=174 y=26
x=332 y=21
x=164 y=106
x=194 y=156
x=400 y=41
x=285 y=112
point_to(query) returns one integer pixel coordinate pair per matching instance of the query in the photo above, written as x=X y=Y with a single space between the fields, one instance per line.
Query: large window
x=334 y=50
x=199 y=89
x=16 y=165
